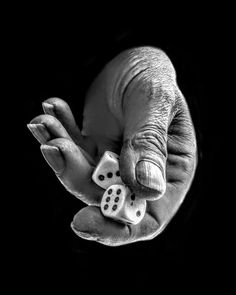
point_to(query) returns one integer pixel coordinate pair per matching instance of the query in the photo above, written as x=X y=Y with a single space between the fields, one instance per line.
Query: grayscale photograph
x=122 y=143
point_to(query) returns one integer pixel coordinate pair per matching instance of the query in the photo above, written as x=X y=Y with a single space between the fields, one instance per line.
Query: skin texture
x=133 y=108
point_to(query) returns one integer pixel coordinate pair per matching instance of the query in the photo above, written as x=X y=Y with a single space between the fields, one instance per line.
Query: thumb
x=144 y=151
x=144 y=174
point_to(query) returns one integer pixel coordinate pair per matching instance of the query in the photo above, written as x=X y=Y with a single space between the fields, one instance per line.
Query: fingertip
x=144 y=175
x=54 y=100
x=48 y=108
x=150 y=176
x=58 y=106
x=82 y=235
x=86 y=220
x=90 y=224
x=39 y=132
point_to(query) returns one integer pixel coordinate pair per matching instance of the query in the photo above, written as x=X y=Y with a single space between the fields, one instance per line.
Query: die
x=107 y=171
x=121 y=205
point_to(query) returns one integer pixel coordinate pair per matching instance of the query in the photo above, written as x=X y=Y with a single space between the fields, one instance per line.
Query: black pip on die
x=120 y=204
x=107 y=171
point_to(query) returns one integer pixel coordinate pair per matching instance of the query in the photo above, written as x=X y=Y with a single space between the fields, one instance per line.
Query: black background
x=63 y=62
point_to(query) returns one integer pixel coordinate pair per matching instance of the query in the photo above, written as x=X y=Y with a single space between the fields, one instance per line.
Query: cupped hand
x=136 y=109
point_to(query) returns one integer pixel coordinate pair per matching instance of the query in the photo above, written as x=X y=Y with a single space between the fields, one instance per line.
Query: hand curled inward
x=135 y=109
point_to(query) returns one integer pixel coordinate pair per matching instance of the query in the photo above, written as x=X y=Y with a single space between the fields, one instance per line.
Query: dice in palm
x=107 y=170
x=121 y=205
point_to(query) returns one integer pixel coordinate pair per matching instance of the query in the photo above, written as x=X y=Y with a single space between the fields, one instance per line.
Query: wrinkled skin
x=134 y=108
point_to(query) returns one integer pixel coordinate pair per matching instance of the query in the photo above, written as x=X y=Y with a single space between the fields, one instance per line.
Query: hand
x=133 y=108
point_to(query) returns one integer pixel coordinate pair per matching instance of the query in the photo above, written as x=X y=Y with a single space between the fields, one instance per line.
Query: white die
x=120 y=204
x=107 y=171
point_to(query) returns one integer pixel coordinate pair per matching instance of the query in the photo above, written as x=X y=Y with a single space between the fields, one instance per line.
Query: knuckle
x=151 y=139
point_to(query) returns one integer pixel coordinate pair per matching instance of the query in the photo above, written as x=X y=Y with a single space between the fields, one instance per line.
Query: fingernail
x=39 y=131
x=53 y=157
x=48 y=108
x=83 y=235
x=149 y=175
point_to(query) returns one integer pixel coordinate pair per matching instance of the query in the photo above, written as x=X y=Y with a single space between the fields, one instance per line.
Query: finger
x=144 y=152
x=90 y=224
x=47 y=127
x=60 y=109
x=73 y=169
x=51 y=125
x=40 y=132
